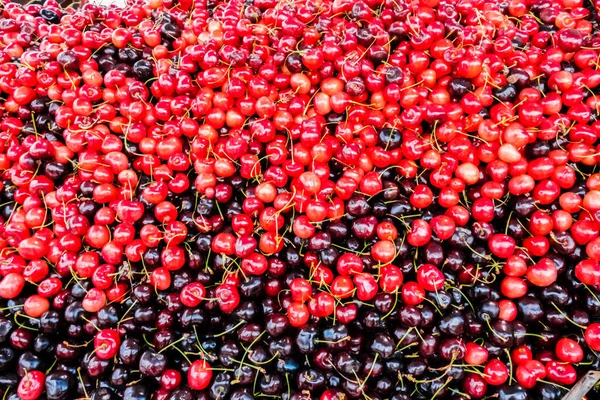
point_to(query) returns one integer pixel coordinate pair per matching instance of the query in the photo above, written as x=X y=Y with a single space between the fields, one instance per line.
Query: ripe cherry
x=475 y=354
x=529 y=372
x=199 y=375
x=495 y=372
x=568 y=350
x=31 y=385
x=588 y=272
x=106 y=343
x=430 y=277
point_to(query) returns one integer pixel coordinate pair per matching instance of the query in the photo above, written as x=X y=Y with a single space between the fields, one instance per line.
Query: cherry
x=192 y=294
x=390 y=279
x=430 y=277
x=366 y=286
x=301 y=290
x=35 y=306
x=475 y=354
x=349 y=264
x=199 y=375
x=543 y=273
x=170 y=379
x=383 y=251
x=561 y=373
x=588 y=272
x=501 y=245
x=495 y=372
x=106 y=343
x=31 y=385
x=321 y=305
x=412 y=293
x=529 y=372
x=443 y=226
x=592 y=336
x=11 y=285
x=569 y=350
x=474 y=386
x=228 y=297
x=298 y=314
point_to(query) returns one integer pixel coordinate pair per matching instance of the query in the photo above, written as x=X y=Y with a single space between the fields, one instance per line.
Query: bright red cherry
x=199 y=375
x=106 y=343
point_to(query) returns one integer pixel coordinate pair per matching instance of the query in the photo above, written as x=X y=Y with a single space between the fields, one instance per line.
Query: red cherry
x=521 y=354
x=475 y=354
x=515 y=266
x=508 y=310
x=430 y=277
x=561 y=373
x=384 y=251
x=170 y=379
x=443 y=226
x=106 y=343
x=513 y=287
x=199 y=375
x=346 y=314
x=298 y=314
x=342 y=287
x=11 y=285
x=421 y=197
x=32 y=248
x=366 y=286
x=94 y=300
x=390 y=278
x=321 y=305
x=588 y=272
x=419 y=234
x=501 y=245
x=543 y=273
x=255 y=264
x=495 y=372
x=568 y=350
x=192 y=294
x=31 y=385
x=303 y=228
x=474 y=386
x=592 y=336
x=529 y=372
x=227 y=297
x=36 y=305
x=349 y=264
x=301 y=290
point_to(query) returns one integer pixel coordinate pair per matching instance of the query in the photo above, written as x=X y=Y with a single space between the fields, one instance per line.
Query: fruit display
x=299 y=200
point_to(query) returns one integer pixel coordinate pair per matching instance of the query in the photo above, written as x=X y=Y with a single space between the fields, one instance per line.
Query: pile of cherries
x=299 y=200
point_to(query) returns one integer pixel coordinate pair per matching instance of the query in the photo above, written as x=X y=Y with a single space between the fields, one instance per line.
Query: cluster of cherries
x=307 y=200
